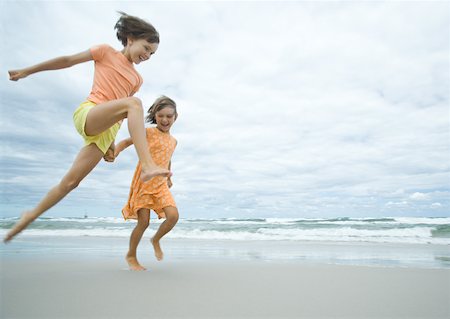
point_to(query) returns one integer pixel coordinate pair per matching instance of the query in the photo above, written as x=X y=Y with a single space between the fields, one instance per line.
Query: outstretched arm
x=122 y=145
x=53 y=64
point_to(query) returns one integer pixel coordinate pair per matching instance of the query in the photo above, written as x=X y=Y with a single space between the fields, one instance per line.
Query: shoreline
x=424 y=256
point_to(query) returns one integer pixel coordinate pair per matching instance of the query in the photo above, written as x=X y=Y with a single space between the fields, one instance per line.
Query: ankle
x=131 y=255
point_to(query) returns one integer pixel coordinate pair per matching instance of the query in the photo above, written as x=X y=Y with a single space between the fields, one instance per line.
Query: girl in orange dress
x=153 y=194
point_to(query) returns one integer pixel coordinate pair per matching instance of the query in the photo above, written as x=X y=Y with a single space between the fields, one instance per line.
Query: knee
x=143 y=224
x=172 y=218
x=134 y=103
x=69 y=185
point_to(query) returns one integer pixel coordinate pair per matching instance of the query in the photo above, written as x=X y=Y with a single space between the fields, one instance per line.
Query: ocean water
x=404 y=230
x=392 y=242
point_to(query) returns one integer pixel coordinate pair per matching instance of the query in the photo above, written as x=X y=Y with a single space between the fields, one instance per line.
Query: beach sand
x=79 y=285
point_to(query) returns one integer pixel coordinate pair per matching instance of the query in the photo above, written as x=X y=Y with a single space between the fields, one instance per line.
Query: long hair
x=136 y=28
x=160 y=103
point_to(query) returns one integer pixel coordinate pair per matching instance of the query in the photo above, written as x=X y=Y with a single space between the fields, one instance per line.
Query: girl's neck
x=168 y=132
x=125 y=54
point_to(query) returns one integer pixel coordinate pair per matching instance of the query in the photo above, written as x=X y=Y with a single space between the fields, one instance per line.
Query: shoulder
x=99 y=51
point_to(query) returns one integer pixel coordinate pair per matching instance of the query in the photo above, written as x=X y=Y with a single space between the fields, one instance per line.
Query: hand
x=15 y=75
x=109 y=156
x=118 y=148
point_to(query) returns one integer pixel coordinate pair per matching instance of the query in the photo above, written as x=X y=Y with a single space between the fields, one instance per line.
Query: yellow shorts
x=102 y=140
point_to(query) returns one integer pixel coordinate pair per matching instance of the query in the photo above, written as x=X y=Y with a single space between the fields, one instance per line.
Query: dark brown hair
x=160 y=103
x=136 y=28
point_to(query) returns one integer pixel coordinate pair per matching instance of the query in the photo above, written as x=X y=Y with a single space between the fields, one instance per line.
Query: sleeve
x=98 y=51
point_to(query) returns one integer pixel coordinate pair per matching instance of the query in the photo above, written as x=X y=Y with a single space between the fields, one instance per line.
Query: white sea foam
x=417 y=236
x=386 y=230
x=423 y=220
x=121 y=232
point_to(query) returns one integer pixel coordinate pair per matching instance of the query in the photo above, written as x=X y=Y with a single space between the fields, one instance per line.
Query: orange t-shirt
x=114 y=77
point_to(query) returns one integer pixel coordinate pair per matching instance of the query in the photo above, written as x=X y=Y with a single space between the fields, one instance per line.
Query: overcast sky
x=287 y=109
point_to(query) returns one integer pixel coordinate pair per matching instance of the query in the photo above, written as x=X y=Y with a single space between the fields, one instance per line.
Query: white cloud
x=419 y=196
x=436 y=205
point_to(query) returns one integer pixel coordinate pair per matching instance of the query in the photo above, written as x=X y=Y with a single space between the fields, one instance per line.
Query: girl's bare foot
x=23 y=222
x=149 y=173
x=134 y=264
x=158 y=252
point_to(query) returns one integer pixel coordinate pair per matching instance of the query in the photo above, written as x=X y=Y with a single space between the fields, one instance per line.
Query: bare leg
x=86 y=160
x=105 y=115
x=164 y=228
x=135 y=238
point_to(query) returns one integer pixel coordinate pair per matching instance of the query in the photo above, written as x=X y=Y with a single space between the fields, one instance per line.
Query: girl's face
x=165 y=119
x=139 y=50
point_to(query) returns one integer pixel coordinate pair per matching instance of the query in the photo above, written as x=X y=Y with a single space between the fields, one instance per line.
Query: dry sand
x=70 y=287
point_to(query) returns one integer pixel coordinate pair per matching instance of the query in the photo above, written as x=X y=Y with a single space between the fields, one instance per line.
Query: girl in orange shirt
x=111 y=100
x=153 y=194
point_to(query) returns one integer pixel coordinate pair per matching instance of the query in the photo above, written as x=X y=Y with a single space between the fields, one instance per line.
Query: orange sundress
x=153 y=194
